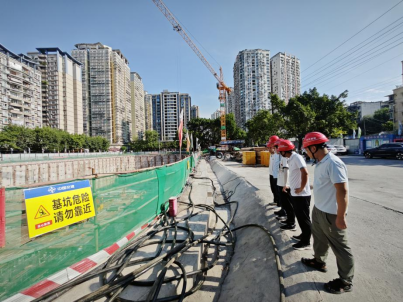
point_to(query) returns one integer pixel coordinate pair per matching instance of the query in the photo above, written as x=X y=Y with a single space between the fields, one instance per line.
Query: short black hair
x=319 y=146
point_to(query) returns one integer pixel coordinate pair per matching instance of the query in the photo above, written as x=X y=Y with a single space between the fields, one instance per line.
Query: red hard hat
x=277 y=142
x=313 y=139
x=273 y=139
x=286 y=145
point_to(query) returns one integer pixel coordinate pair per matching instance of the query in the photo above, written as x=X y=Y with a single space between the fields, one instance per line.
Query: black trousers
x=274 y=190
x=286 y=205
x=301 y=208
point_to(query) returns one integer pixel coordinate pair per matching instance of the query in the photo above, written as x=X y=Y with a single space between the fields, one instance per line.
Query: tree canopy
x=47 y=139
x=376 y=123
x=208 y=131
x=305 y=113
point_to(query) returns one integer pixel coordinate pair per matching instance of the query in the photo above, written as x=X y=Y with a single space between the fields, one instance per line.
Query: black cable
x=111 y=272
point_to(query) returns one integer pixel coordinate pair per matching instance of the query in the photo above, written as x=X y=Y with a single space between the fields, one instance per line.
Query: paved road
x=375 y=222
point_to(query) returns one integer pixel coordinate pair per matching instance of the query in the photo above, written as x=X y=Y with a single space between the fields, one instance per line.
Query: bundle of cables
x=167 y=256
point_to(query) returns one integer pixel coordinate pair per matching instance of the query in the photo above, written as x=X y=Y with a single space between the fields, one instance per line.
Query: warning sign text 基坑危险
x=52 y=207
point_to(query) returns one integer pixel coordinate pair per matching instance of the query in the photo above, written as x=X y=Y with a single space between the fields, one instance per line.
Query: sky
x=308 y=29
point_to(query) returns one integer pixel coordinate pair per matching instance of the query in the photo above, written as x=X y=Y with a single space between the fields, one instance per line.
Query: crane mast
x=222 y=87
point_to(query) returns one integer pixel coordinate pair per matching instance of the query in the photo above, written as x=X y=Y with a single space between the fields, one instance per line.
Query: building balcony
x=13 y=79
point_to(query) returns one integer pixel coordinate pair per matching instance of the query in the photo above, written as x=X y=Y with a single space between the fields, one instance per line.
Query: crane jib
x=222 y=87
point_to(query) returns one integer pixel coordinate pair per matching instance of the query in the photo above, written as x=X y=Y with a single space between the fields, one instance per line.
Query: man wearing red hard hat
x=300 y=195
x=273 y=170
x=329 y=227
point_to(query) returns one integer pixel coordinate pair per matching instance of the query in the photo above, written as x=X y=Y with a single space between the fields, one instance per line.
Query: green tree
x=149 y=143
x=209 y=131
x=267 y=123
x=7 y=142
x=24 y=137
x=76 y=142
x=376 y=123
x=314 y=112
x=382 y=115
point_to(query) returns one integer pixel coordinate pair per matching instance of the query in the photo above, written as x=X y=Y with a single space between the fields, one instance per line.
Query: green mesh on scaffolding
x=122 y=202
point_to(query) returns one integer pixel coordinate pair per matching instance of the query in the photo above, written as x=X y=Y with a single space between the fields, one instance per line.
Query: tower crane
x=222 y=87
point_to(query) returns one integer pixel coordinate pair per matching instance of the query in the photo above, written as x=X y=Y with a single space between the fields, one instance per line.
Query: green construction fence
x=123 y=203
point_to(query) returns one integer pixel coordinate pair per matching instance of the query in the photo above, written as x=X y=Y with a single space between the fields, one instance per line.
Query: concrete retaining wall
x=253 y=272
x=28 y=173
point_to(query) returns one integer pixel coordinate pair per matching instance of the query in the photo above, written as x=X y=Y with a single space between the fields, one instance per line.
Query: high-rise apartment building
x=106 y=92
x=62 y=98
x=20 y=90
x=166 y=109
x=194 y=112
x=252 y=84
x=186 y=105
x=230 y=105
x=216 y=114
x=148 y=111
x=170 y=107
x=138 y=107
x=285 y=76
x=157 y=113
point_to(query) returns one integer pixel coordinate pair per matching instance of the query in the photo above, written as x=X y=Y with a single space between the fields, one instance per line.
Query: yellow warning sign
x=41 y=213
x=52 y=207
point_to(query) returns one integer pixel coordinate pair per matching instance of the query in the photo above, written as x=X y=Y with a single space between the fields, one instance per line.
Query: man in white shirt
x=284 y=189
x=329 y=226
x=300 y=194
x=273 y=171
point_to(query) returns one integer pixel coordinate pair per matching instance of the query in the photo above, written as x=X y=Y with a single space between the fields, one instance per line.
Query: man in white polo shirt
x=329 y=226
x=273 y=170
x=300 y=194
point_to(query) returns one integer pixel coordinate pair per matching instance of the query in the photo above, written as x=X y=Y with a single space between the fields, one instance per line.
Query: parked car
x=342 y=150
x=332 y=149
x=394 y=150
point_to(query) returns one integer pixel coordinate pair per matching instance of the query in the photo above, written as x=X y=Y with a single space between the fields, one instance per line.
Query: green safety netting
x=122 y=202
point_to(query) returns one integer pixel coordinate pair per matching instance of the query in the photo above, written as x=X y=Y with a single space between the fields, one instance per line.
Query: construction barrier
x=123 y=202
x=249 y=157
x=265 y=158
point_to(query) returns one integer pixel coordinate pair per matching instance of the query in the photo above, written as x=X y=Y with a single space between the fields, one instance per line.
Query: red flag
x=180 y=129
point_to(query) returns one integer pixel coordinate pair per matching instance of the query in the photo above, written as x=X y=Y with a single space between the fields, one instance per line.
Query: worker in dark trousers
x=300 y=195
x=329 y=226
x=284 y=188
x=272 y=164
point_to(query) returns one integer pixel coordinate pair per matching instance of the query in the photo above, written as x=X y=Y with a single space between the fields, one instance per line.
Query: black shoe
x=301 y=246
x=288 y=227
x=314 y=264
x=338 y=286
x=280 y=213
x=281 y=218
x=297 y=238
x=284 y=222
